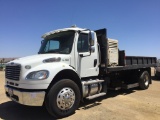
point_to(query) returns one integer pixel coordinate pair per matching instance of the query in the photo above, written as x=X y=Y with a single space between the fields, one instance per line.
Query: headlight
x=38 y=75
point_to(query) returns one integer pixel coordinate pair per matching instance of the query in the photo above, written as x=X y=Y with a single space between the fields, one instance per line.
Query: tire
x=63 y=98
x=144 y=80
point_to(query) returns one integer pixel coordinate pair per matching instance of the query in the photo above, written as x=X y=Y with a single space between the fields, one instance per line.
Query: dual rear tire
x=144 y=80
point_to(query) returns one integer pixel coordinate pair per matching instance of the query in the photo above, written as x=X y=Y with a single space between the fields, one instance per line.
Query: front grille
x=13 y=71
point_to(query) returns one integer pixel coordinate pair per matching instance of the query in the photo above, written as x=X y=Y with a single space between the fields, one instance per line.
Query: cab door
x=87 y=61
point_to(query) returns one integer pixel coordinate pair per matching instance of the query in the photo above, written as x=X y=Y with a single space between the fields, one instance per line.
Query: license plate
x=10 y=91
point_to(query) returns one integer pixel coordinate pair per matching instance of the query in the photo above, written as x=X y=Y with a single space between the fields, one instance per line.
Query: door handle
x=95 y=62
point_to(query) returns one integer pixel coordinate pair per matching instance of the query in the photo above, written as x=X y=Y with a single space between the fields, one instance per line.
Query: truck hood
x=35 y=60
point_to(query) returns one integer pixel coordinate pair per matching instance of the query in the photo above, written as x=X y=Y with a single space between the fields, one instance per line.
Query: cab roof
x=61 y=30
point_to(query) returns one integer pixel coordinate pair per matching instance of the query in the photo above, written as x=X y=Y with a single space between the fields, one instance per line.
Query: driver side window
x=83 y=45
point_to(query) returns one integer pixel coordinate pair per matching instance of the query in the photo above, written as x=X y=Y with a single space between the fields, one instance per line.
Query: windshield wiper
x=51 y=51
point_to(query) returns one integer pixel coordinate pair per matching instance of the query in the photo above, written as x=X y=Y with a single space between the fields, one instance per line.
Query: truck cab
x=73 y=43
x=63 y=51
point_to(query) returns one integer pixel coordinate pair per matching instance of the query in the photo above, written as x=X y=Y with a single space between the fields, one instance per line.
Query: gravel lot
x=132 y=104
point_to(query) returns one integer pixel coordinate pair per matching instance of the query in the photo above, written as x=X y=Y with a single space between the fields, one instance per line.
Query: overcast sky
x=135 y=23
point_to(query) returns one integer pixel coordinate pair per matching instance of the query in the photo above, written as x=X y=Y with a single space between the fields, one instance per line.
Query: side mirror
x=91 y=38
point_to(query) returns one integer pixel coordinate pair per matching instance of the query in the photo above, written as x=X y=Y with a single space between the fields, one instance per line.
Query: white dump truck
x=74 y=64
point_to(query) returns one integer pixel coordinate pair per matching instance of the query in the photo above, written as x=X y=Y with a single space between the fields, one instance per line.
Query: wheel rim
x=146 y=80
x=65 y=98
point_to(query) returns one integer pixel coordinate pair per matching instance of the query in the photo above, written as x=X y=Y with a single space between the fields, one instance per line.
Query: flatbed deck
x=134 y=62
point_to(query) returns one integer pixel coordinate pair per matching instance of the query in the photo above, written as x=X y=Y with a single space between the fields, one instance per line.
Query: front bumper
x=26 y=98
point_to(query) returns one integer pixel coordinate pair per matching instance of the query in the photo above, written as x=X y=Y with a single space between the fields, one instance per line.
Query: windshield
x=60 y=43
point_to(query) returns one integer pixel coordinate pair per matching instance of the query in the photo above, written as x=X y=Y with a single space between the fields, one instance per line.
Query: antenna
x=73 y=26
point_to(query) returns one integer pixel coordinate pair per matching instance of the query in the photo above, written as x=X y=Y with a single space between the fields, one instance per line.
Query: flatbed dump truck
x=74 y=64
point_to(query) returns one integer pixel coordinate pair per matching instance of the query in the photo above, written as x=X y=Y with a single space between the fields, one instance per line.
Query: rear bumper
x=26 y=98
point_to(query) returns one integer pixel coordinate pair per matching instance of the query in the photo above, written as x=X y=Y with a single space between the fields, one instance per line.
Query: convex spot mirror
x=92 y=49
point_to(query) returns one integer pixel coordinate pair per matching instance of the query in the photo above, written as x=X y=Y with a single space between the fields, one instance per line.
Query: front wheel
x=63 y=98
x=144 y=80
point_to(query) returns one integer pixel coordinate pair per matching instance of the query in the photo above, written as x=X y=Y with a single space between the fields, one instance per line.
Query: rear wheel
x=144 y=80
x=63 y=98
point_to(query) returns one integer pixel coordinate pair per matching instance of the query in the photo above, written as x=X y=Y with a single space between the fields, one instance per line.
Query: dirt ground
x=132 y=104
